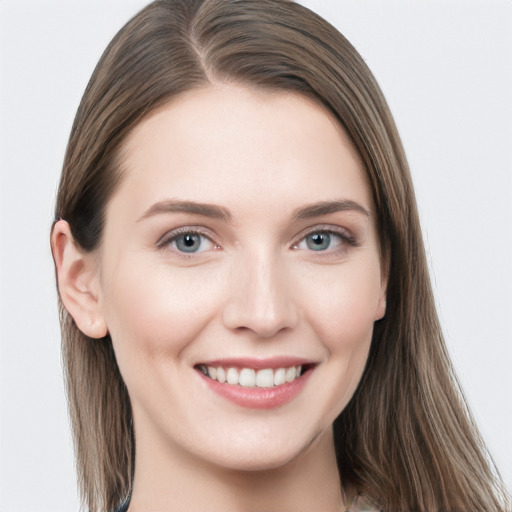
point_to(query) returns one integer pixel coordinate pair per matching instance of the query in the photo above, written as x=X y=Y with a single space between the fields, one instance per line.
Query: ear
x=78 y=281
x=381 y=305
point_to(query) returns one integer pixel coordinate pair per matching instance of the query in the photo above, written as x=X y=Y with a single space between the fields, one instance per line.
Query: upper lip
x=258 y=363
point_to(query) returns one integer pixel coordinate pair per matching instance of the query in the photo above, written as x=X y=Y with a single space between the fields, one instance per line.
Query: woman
x=246 y=302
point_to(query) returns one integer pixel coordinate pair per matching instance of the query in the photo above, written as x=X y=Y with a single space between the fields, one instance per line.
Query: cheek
x=343 y=304
x=340 y=308
x=158 y=311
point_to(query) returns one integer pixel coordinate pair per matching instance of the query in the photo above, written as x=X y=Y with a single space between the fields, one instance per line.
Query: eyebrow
x=219 y=212
x=177 y=206
x=326 y=207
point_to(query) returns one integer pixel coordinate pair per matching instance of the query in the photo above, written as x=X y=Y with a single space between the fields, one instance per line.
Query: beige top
x=363 y=503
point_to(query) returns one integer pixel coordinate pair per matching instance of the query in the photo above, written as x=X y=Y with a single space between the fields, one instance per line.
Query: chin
x=261 y=463
x=250 y=455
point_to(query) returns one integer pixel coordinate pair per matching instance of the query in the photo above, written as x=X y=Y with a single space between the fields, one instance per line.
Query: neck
x=182 y=482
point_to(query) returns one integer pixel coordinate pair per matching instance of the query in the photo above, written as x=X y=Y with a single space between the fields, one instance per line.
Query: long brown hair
x=407 y=436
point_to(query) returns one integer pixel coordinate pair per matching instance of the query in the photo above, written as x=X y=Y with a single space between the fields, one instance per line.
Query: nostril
x=261 y=302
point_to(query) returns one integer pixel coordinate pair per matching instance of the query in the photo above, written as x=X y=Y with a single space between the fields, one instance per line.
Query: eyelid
x=169 y=236
x=344 y=233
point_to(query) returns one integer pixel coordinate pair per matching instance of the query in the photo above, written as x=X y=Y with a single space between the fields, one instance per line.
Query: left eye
x=320 y=241
x=191 y=243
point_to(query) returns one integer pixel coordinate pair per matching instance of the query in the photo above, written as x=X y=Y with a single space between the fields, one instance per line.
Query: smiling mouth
x=254 y=378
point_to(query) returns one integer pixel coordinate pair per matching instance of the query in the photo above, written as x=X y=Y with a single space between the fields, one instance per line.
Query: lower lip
x=258 y=398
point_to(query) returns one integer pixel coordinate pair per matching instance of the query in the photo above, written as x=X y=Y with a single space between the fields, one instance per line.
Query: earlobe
x=381 y=306
x=78 y=282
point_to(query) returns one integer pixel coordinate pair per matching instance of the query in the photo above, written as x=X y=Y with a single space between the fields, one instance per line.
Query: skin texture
x=254 y=289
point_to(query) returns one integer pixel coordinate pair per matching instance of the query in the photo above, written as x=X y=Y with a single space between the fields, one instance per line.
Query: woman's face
x=241 y=244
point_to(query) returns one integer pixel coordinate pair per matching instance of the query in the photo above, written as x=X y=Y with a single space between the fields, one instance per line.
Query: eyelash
x=344 y=236
x=170 y=238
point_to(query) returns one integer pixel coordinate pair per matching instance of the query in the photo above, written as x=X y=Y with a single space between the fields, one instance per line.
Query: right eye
x=188 y=242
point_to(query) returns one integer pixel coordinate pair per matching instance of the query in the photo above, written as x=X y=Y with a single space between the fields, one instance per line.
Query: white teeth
x=291 y=373
x=279 y=377
x=221 y=374
x=248 y=377
x=232 y=376
x=265 y=378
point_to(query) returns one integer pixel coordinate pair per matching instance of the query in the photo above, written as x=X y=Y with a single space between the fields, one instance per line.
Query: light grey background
x=446 y=69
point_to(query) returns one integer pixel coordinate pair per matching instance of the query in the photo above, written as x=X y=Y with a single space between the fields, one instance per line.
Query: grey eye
x=321 y=241
x=188 y=242
x=318 y=241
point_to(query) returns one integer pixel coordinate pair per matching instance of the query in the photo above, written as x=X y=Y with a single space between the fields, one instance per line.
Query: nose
x=260 y=297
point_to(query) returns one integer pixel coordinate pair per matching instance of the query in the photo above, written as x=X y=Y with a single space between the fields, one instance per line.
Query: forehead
x=231 y=144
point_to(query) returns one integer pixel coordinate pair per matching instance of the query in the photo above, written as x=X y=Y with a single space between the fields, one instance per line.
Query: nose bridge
x=260 y=298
